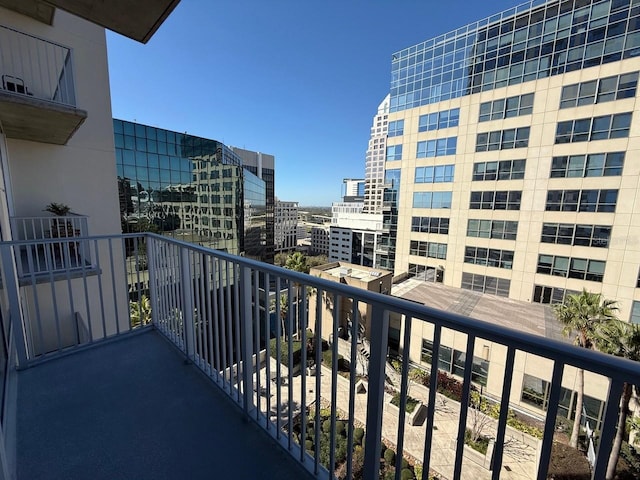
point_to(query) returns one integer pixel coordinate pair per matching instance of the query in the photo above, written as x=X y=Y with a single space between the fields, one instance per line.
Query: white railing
x=216 y=309
x=67 y=251
x=36 y=68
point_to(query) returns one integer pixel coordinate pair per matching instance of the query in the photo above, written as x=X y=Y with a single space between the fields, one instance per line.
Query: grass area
x=412 y=403
x=480 y=445
x=284 y=351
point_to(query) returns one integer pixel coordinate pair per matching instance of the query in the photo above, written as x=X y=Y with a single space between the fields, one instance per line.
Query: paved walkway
x=518 y=463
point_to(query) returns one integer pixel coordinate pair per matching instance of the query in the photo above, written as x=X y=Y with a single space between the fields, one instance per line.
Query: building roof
x=524 y=316
x=344 y=269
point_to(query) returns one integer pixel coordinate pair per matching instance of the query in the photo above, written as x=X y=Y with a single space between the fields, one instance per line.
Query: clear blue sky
x=297 y=79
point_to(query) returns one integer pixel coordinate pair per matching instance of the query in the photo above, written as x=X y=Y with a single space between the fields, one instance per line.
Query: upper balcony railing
x=272 y=340
x=36 y=68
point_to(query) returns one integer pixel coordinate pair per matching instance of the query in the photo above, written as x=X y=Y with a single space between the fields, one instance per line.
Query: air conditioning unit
x=344 y=272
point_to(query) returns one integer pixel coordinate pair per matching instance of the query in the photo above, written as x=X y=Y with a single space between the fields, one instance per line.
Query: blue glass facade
x=531 y=41
x=189 y=187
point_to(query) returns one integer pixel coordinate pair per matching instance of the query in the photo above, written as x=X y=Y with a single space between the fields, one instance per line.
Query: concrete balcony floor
x=133 y=409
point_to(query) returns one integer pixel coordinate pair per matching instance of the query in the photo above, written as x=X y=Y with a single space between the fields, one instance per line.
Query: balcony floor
x=134 y=409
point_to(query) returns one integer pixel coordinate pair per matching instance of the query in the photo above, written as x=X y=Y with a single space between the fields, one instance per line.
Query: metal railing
x=228 y=315
x=42 y=258
x=37 y=68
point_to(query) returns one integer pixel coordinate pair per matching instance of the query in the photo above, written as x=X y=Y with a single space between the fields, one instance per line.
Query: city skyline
x=310 y=106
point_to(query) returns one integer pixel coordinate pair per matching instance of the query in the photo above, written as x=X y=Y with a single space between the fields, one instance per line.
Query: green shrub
x=481 y=445
x=406 y=474
x=405 y=464
x=358 y=435
x=325 y=412
x=308 y=445
x=383 y=450
x=340 y=427
x=284 y=351
x=326 y=426
x=389 y=456
x=327 y=359
x=411 y=402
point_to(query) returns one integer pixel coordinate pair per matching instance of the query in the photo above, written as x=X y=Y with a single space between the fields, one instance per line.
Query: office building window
x=490 y=257
x=503 y=139
x=570 y=234
x=635 y=312
x=394 y=152
x=485 y=284
x=437 y=148
x=503 y=200
x=553 y=295
x=502 y=229
x=437 y=174
x=502 y=170
x=535 y=392
x=599 y=91
x=597 y=128
x=396 y=128
x=425 y=272
x=582 y=200
x=506 y=107
x=452 y=361
x=438 y=120
x=580 y=268
x=430 y=225
x=592 y=165
x=428 y=249
x=432 y=200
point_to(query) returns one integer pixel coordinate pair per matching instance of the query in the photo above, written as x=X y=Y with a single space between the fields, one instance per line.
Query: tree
x=140 y=312
x=622 y=340
x=582 y=313
x=297 y=262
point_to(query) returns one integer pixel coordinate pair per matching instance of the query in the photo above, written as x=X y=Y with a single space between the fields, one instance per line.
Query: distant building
x=285 y=227
x=375 y=160
x=320 y=240
x=353 y=190
x=263 y=166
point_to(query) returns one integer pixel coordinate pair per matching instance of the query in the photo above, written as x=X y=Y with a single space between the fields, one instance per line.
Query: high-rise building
x=286 y=224
x=191 y=188
x=263 y=166
x=515 y=137
x=375 y=160
x=353 y=190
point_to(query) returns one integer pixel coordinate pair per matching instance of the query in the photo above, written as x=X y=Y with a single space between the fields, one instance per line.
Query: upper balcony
x=162 y=359
x=37 y=93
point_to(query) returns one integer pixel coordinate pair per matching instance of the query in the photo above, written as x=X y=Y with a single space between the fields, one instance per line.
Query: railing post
x=246 y=335
x=153 y=279
x=375 y=399
x=10 y=282
x=187 y=303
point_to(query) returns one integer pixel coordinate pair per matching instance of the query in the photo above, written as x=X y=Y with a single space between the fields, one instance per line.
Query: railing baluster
x=431 y=408
x=609 y=424
x=504 y=414
x=404 y=388
x=187 y=305
x=247 y=338
x=550 y=421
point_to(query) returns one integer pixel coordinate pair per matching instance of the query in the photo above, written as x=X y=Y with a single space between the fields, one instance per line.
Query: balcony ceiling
x=138 y=20
x=26 y=118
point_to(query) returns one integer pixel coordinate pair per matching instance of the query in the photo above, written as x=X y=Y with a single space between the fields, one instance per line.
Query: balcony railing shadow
x=235 y=321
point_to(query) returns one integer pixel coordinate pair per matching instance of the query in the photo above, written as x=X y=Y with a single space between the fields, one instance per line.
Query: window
x=485 y=284
x=438 y=120
x=544 y=294
x=396 y=128
x=452 y=361
x=394 y=152
x=506 y=108
x=570 y=234
x=599 y=91
x=535 y=392
x=582 y=200
x=503 y=139
x=502 y=170
x=430 y=225
x=635 y=312
x=437 y=174
x=593 y=165
x=428 y=249
x=489 y=257
x=437 y=148
x=598 y=128
x=502 y=229
x=503 y=200
x=432 y=200
x=425 y=272
x=580 y=268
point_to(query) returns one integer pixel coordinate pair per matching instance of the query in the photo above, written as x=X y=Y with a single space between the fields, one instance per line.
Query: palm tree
x=582 y=313
x=140 y=312
x=297 y=262
x=622 y=340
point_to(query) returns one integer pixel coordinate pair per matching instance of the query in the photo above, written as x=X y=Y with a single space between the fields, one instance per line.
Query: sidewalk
x=518 y=462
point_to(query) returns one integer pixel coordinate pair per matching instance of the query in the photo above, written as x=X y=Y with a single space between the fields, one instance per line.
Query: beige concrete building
x=517 y=176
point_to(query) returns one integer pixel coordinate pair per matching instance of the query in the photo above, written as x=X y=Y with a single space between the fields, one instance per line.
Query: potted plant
x=60 y=229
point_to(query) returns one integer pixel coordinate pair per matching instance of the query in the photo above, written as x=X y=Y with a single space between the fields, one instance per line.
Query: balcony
x=37 y=94
x=162 y=359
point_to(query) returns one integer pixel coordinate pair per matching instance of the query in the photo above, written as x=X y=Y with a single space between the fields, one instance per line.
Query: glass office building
x=190 y=188
x=515 y=138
